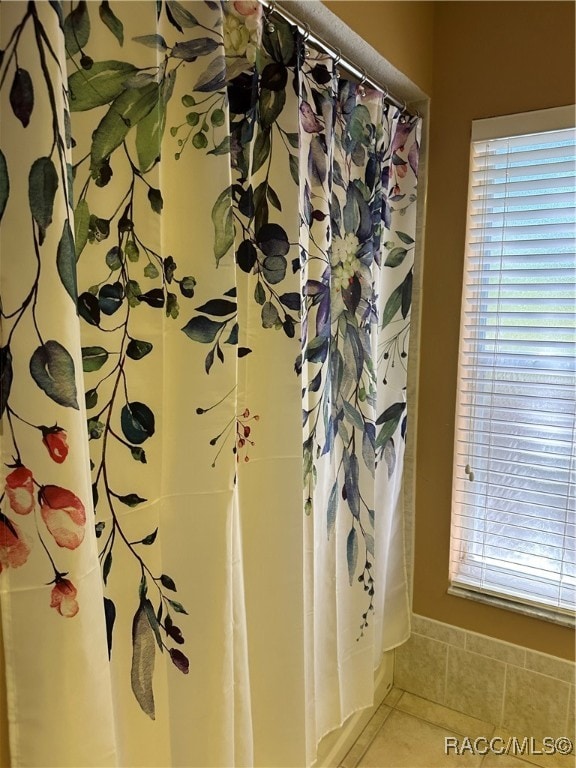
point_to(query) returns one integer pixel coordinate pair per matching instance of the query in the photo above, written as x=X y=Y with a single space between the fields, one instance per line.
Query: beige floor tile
x=445 y=717
x=542 y=761
x=407 y=742
x=367 y=736
x=392 y=697
x=571 y=726
x=503 y=761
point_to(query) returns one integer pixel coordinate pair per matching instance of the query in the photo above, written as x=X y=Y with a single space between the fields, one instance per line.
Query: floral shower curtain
x=207 y=242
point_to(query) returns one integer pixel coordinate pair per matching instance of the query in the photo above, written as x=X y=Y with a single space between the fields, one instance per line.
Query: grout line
x=377 y=731
x=436 y=724
x=371 y=722
x=386 y=715
x=491 y=725
x=399 y=699
x=446 y=674
x=524 y=658
x=567 y=719
x=504 y=694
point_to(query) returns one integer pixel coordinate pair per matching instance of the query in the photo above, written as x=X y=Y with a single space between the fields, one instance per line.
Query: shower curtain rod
x=342 y=61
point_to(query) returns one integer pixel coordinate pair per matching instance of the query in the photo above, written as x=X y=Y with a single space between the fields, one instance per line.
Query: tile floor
x=409 y=732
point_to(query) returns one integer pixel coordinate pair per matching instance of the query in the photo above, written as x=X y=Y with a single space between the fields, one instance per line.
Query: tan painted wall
x=490 y=58
x=401 y=31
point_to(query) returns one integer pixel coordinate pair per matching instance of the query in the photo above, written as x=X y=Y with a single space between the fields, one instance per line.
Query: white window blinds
x=513 y=517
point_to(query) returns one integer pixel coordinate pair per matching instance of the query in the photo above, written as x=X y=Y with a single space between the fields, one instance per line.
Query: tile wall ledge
x=501 y=650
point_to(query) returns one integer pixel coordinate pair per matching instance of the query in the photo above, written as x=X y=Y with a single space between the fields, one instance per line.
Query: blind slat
x=525 y=464
x=488 y=158
x=514 y=208
x=511 y=174
x=519 y=443
x=541 y=258
x=524 y=186
x=525 y=201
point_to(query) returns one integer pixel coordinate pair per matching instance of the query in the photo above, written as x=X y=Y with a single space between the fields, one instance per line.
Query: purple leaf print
x=308 y=119
x=403 y=130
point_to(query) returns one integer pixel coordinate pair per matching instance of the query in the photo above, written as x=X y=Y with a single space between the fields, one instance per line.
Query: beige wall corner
x=401 y=31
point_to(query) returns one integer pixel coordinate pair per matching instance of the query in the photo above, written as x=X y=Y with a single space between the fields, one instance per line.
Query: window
x=513 y=499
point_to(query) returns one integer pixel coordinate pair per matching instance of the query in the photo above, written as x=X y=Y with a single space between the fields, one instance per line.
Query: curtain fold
x=207 y=242
x=46 y=489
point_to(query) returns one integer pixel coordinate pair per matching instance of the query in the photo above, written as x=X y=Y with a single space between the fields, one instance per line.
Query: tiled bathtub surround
x=525 y=692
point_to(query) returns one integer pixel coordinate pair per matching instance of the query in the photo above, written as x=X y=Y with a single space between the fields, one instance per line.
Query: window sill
x=537 y=612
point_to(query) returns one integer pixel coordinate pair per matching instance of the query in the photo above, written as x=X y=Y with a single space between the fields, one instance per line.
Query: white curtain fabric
x=207 y=242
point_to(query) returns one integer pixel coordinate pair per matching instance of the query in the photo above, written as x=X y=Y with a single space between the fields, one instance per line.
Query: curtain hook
x=305 y=37
x=403 y=116
x=269 y=23
x=336 y=62
x=361 y=88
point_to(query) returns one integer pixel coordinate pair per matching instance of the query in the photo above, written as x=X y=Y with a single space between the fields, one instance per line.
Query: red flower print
x=63 y=598
x=243 y=432
x=14 y=550
x=64 y=515
x=56 y=440
x=20 y=490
